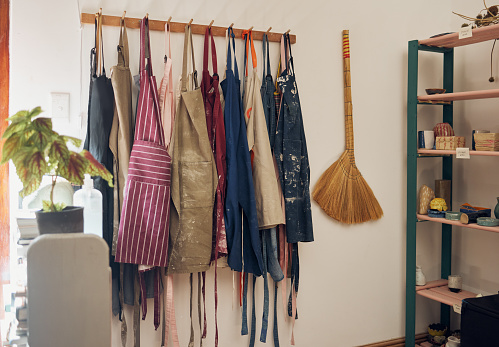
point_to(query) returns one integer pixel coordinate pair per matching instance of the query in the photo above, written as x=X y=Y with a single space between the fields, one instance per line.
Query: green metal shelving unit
x=442 y=44
x=412 y=186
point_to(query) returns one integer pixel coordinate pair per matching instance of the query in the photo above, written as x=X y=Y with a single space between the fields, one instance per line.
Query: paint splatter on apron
x=290 y=151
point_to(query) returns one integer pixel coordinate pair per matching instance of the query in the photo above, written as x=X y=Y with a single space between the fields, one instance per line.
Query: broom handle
x=347 y=93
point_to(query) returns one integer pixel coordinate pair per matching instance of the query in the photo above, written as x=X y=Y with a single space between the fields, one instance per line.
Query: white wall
x=352 y=288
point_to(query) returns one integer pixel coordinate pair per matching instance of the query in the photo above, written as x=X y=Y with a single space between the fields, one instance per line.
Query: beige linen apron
x=193 y=181
x=120 y=139
x=268 y=199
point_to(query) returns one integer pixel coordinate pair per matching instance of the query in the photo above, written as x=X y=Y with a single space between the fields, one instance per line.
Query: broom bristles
x=344 y=194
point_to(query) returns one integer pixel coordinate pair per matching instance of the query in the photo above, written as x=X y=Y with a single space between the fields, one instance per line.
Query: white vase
x=420 y=277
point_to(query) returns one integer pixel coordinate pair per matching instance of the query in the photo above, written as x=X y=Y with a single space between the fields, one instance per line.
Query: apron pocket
x=196 y=187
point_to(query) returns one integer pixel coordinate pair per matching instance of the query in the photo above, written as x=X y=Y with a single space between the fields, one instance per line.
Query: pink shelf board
x=452 y=152
x=470 y=95
x=444 y=295
x=452 y=40
x=432 y=284
x=457 y=223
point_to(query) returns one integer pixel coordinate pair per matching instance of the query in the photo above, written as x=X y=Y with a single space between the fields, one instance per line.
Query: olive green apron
x=193 y=181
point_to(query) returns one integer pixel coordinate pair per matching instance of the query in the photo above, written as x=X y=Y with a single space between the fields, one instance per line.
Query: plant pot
x=69 y=220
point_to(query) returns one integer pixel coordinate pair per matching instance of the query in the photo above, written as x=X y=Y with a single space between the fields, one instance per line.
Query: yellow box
x=449 y=142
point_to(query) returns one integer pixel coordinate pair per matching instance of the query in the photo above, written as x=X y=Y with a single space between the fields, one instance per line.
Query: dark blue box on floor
x=480 y=322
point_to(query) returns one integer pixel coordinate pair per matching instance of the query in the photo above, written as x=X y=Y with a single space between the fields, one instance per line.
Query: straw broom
x=341 y=191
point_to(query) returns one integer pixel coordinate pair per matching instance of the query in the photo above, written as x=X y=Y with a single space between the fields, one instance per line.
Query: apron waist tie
x=244 y=318
x=170 y=313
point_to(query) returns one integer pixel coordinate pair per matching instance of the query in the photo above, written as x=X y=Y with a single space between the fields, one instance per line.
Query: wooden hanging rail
x=178 y=27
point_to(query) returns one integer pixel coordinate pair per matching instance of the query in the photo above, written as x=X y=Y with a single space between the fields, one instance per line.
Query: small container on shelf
x=450 y=142
x=420 y=277
x=487 y=221
x=434 y=213
x=486 y=141
x=431 y=91
x=471 y=213
x=443 y=129
x=451 y=215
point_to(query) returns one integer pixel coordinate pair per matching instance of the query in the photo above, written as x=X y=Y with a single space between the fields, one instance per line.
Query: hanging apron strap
x=276 y=328
x=230 y=51
x=191 y=338
x=249 y=46
x=253 y=315
x=199 y=311
x=265 y=318
x=188 y=45
x=203 y=290
x=122 y=304
x=147 y=119
x=208 y=34
x=244 y=320
x=170 y=320
x=166 y=99
x=136 y=308
x=123 y=51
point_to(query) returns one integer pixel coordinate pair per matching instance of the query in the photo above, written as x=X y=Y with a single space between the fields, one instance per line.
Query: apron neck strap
x=207 y=36
x=231 y=36
x=286 y=56
x=249 y=46
x=145 y=46
x=188 y=45
x=123 y=53
x=168 y=52
x=97 y=55
x=266 y=56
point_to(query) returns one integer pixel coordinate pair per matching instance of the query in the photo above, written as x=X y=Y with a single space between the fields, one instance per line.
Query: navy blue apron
x=240 y=196
x=290 y=151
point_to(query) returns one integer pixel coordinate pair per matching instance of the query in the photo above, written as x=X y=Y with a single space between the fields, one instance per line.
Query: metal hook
x=169 y=20
x=287 y=32
x=230 y=26
x=190 y=22
x=123 y=16
x=147 y=15
x=268 y=30
x=250 y=29
x=211 y=23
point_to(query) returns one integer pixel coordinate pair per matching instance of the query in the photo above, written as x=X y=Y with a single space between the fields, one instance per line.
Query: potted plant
x=37 y=150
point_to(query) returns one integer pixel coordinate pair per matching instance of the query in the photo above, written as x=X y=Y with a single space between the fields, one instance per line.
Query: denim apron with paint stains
x=290 y=151
x=240 y=196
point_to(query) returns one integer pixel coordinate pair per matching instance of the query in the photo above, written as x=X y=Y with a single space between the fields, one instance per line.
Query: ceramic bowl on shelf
x=487 y=221
x=451 y=215
x=436 y=213
x=437 y=329
x=431 y=91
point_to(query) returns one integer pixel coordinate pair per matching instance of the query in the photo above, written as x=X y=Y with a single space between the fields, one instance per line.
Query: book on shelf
x=24 y=242
x=26 y=224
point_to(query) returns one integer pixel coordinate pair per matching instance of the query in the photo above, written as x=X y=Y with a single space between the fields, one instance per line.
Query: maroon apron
x=143 y=232
x=216 y=133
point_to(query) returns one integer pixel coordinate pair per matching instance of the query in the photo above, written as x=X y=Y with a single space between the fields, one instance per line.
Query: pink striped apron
x=143 y=232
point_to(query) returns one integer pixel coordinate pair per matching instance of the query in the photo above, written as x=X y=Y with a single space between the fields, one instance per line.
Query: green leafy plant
x=37 y=150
